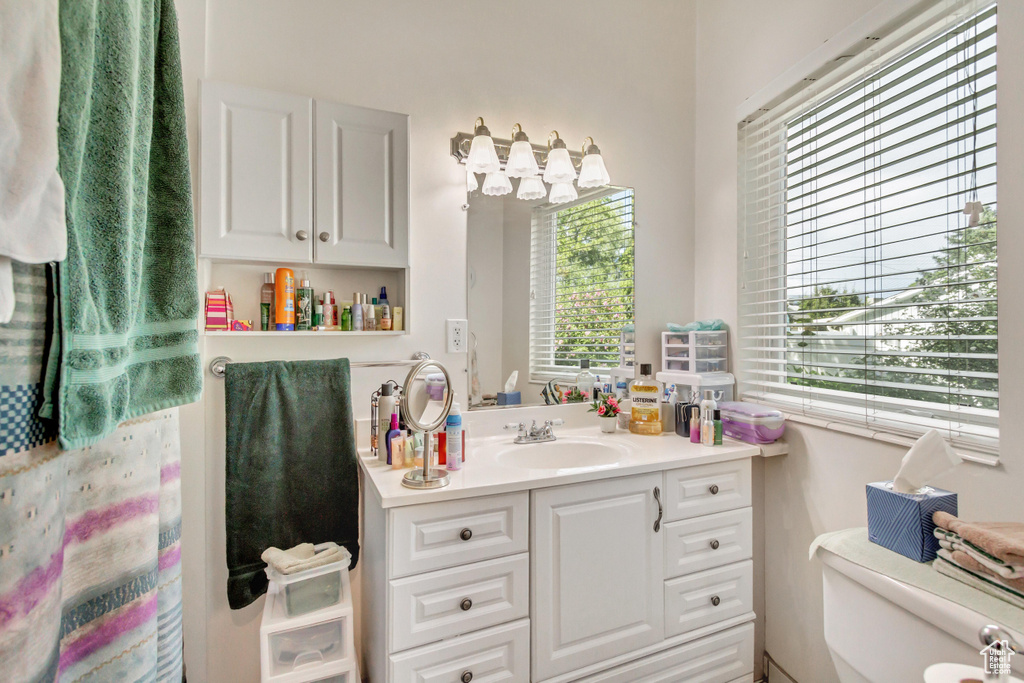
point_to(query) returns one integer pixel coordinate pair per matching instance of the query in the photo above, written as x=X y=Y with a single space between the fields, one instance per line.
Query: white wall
x=625 y=78
x=742 y=45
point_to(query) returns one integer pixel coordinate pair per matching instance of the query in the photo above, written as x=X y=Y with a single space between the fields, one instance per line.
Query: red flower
x=601 y=410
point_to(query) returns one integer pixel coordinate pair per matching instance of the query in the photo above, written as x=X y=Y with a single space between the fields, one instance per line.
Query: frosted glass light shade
x=531 y=187
x=562 y=193
x=497 y=184
x=559 y=168
x=471 y=183
x=482 y=157
x=521 y=162
x=593 y=172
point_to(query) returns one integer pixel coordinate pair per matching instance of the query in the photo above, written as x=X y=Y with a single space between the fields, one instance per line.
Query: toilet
x=880 y=630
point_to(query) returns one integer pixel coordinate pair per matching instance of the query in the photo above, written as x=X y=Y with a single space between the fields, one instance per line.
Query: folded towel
x=303 y=557
x=944 y=564
x=969 y=563
x=952 y=541
x=1004 y=540
x=32 y=226
x=290 y=465
x=128 y=341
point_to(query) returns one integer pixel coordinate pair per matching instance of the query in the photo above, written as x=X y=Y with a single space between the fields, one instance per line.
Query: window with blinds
x=581 y=283
x=868 y=238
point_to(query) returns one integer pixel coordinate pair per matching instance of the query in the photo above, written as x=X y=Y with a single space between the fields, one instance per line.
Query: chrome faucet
x=533 y=433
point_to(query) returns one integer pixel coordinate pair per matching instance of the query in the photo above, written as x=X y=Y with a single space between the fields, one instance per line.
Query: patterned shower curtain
x=90 y=564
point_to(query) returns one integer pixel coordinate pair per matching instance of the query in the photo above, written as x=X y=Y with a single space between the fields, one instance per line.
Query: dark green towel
x=127 y=292
x=291 y=465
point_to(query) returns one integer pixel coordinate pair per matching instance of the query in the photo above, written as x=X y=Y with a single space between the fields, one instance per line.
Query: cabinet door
x=256 y=164
x=362 y=186
x=596 y=573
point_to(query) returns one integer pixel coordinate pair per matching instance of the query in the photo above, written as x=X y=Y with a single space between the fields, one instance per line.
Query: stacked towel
x=986 y=555
x=304 y=556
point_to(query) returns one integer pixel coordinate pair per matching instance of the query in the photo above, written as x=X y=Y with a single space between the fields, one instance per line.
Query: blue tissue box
x=512 y=398
x=902 y=522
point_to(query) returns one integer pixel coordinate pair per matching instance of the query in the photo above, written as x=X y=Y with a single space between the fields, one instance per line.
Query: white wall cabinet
x=287 y=179
x=256 y=161
x=597 y=572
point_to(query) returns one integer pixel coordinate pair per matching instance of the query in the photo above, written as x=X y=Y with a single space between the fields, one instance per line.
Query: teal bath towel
x=290 y=465
x=127 y=294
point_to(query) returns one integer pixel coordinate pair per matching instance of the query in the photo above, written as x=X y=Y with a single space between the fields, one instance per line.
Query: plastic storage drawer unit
x=313 y=589
x=751 y=422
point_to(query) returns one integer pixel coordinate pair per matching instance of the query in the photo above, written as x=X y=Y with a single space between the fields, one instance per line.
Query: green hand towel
x=290 y=465
x=127 y=293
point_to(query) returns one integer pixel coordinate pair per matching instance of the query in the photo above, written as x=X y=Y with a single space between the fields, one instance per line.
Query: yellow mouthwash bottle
x=645 y=397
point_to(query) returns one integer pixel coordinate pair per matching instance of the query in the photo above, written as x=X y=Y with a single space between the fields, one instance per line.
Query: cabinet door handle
x=466 y=534
x=715 y=600
x=466 y=677
x=324 y=237
x=713 y=489
x=466 y=604
x=657 y=522
x=302 y=235
x=714 y=544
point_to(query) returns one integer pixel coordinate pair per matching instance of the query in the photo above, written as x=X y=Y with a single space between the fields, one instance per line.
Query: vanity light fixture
x=471 y=182
x=559 y=168
x=592 y=170
x=497 y=184
x=521 y=161
x=562 y=193
x=482 y=157
x=530 y=188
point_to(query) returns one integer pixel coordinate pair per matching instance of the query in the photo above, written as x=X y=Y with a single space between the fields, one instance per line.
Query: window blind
x=581 y=283
x=868 y=295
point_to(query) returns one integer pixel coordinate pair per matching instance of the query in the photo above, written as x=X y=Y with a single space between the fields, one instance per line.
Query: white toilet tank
x=883 y=631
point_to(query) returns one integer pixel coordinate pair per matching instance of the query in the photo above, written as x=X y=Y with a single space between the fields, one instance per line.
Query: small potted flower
x=574 y=395
x=607 y=408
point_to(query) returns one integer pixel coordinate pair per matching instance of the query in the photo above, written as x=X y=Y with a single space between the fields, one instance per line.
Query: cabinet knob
x=466 y=604
x=466 y=534
x=713 y=489
x=715 y=600
x=714 y=544
x=302 y=235
x=466 y=677
x=324 y=237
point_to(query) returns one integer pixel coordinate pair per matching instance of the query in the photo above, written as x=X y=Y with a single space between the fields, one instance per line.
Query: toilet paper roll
x=960 y=673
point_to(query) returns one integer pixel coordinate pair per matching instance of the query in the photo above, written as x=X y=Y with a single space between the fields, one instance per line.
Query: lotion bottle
x=695 y=425
x=453 y=438
x=267 y=303
x=357 y=313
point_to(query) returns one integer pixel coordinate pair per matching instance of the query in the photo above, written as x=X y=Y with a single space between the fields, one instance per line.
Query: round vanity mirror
x=426 y=400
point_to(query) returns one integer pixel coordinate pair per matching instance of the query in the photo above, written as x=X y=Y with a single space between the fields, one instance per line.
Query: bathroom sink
x=575 y=454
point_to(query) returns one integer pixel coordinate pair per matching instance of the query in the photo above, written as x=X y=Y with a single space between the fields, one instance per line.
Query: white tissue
x=510 y=385
x=929 y=457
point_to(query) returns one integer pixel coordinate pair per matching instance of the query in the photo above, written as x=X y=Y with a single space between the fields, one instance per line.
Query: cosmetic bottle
x=385 y=317
x=330 y=306
x=267 y=303
x=284 y=300
x=357 y=314
x=367 y=310
x=453 y=438
x=695 y=425
x=585 y=379
x=387 y=405
x=718 y=427
x=645 y=399
x=370 y=319
x=383 y=298
x=304 y=306
x=391 y=435
x=376 y=312
x=707 y=419
x=401 y=445
x=397 y=319
x=346 y=319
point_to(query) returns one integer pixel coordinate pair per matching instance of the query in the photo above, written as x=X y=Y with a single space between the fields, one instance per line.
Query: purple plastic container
x=751 y=422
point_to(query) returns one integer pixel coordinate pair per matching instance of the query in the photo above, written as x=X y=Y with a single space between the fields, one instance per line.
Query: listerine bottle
x=645 y=401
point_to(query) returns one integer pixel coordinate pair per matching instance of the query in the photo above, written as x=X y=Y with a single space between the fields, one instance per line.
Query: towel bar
x=218 y=364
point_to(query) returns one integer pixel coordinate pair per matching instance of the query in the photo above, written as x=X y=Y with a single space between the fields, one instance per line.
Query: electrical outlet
x=458 y=331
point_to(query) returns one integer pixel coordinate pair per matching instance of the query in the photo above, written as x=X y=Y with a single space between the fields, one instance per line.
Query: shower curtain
x=90 y=566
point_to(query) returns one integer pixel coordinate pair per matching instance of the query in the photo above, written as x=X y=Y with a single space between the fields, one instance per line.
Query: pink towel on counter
x=1004 y=540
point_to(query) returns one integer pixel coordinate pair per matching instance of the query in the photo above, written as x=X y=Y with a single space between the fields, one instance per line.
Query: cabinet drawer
x=446 y=603
x=704 y=489
x=500 y=654
x=438 y=535
x=708 y=597
x=720 y=658
x=692 y=545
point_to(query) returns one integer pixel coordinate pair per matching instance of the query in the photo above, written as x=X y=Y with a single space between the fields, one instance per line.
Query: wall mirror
x=550 y=288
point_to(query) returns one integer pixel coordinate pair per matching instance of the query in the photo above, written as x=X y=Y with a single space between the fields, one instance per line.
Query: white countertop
x=488 y=470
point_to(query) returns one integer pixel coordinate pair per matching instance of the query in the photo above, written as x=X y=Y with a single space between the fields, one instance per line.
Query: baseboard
x=776 y=675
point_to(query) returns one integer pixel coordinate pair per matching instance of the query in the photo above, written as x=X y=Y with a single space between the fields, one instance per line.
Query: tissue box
x=511 y=398
x=902 y=522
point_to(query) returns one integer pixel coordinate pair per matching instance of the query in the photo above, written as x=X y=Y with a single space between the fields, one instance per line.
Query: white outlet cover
x=457 y=333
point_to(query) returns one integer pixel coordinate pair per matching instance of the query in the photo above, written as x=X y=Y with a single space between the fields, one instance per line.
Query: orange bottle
x=284 y=299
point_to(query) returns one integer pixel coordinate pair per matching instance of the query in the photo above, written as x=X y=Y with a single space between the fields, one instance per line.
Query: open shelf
x=300 y=333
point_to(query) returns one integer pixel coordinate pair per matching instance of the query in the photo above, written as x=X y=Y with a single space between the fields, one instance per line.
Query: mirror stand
x=427 y=477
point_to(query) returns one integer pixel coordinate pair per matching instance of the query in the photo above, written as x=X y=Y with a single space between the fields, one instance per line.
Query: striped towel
x=952 y=541
x=945 y=564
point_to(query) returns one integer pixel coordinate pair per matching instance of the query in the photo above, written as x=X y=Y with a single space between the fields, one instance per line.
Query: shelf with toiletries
x=244 y=282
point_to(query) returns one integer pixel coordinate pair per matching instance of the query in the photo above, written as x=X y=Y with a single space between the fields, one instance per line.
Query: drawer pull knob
x=713 y=489
x=466 y=677
x=324 y=237
x=302 y=235
x=466 y=534
x=661 y=512
x=714 y=544
x=715 y=600
x=466 y=604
